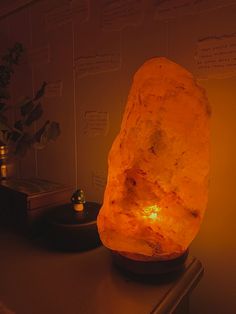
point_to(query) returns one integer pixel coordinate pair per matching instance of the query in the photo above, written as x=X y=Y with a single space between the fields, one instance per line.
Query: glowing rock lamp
x=157 y=186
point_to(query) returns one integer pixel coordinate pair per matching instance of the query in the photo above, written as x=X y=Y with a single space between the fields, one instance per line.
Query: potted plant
x=17 y=137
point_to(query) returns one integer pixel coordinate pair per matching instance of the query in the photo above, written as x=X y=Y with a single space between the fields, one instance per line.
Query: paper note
x=169 y=9
x=99 y=180
x=58 y=16
x=80 y=10
x=118 y=14
x=97 y=63
x=75 y=10
x=53 y=89
x=40 y=56
x=96 y=123
x=216 y=56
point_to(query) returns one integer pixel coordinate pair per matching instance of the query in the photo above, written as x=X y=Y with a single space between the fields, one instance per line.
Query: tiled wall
x=88 y=51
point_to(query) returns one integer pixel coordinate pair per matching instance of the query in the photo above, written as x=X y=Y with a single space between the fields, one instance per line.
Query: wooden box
x=25 y=202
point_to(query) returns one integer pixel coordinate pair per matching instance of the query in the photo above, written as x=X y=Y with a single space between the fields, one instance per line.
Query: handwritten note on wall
x=99 y=180
x=118 y=14
x=80 y=10
x=96 y=123
x=75 y=10
x=97 y=63
x=216 y=56
x=58 y=16
x=53 y=89
x=40 y=56
x=169 y=9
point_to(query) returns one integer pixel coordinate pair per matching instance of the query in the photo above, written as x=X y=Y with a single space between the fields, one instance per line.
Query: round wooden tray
x=73 y=231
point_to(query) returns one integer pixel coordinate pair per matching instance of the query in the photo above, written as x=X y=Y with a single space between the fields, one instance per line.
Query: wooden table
x=35 y=280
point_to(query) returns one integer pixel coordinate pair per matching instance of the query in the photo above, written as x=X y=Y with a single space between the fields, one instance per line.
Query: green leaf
x=13 y=55
x=37 y=136
x=41 y=91
x=7 y=135
x=34 y=115
x=14 y=136
x=19 y=125
x=2 y=136
x=3 y=122
x=21 y=149
x=53 y=131
x=26 y=108
x=4 y=94
x=23 y=101
x=40 y=144
x=23 y=145
x=2 y=106
x=49 y=132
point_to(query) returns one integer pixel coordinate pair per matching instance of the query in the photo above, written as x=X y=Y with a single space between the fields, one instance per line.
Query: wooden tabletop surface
x=36 y=280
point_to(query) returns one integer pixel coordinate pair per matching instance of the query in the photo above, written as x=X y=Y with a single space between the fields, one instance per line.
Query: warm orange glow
x=151 y=212
x=157 y=186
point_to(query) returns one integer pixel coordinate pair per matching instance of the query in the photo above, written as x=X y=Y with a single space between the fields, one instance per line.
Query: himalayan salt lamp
x=157 y=187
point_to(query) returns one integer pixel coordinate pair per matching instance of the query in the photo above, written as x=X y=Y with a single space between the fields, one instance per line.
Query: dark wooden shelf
x=35 y=280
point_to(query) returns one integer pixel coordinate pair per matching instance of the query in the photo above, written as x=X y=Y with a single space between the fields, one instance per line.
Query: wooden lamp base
x=148 y=268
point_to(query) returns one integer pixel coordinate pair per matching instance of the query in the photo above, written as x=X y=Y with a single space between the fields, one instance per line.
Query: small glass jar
x=6 y=165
